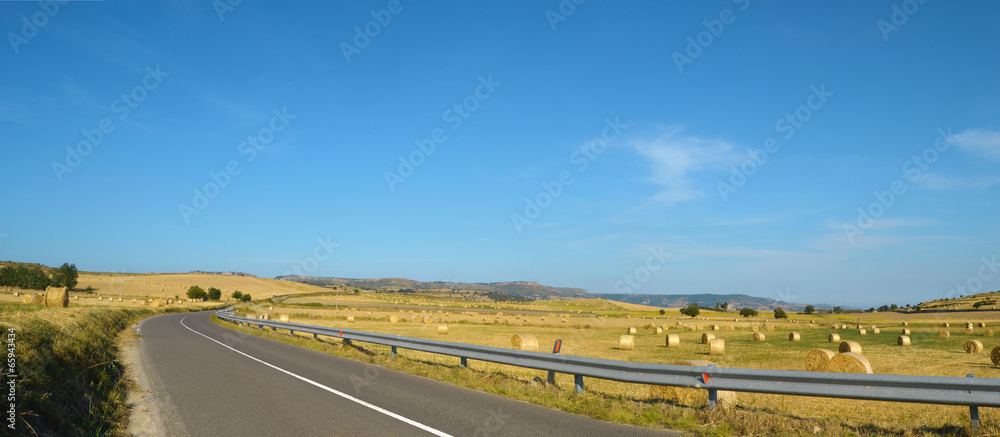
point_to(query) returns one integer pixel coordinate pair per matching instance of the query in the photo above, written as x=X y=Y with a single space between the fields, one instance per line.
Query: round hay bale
x=56 y=297
x=692 y=327
x=876 y=331
x=982 y=325
x=700 y=327
x=769 y=328
x=658 y=330
x=283 y=318
x=817 y=360
x=416 y=319
x=350 y=319
x=835 y=327
x=833 y=338
x=754 y=328
x=973 y=347
x=717 y=346
x=945 y=324
x=903 y=340
x=862 y=331
x=859 y=327
x=428 y=320
x=443 y=328
x=988 y=333
x=906 y=331
x=944 y=334
x=626 y=342
x=673 y=340
x=524 y=342
x=729 y=327
x=631 y=330
x=716 y=327
x=906 y=324
x=995 y=356
x=690 y=396
x=758 y=336
x=849 y=362
x=850 y=346
x=969 y=330
x=707 y=337
x=393 y=319
x=795 y=336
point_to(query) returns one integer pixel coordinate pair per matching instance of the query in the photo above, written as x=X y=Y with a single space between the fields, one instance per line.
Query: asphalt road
x=208 y=380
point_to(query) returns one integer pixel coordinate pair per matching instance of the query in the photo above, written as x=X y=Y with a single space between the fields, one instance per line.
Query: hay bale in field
x=717 y=346
x=631 y=330
x=906 y=324
x=729 y=327
x=833 y=338
x=903 y=340
x=849 y=362
x=850 y=346
x=350 y=319
x=817 y=360
x=393 y=319
x=758 y=336
x=692 y=327
x=265 y=316
x=707 y=337
x=673 y=340
x=716 y=327
x=159 y=303
x=524 y=342
x=666 y=327
x=973 y=347
x=862 y=331
x=835 y=327
x=795 y=336
x=626 y=342
x=284 y=318
x=754 y=328
x=906 y=331
x=944 y=334
x=995 y=356
x=443 y=328
x=658 y=330
x=945 y=324
x=701 y=327
x=102 y=298
x=969 y=330
x=988 y=333
x=876 y=331
x=428 y=320
x=769 y=328
x=690 y=396
x=982 y=325
x=859 y=327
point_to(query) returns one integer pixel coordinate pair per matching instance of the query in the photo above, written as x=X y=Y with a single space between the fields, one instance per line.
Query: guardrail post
x=465 y=362
x=315 y=336
x=973 y=412
x=552 y=374
x=291 y=331
x=393 y=354
x=578 y=382
x=713 y=395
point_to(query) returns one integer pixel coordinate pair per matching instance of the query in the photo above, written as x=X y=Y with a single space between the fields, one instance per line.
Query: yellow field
x=592 y=328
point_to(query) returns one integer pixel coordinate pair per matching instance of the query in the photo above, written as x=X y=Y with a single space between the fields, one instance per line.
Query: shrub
x=780 y=314
x=809 y=309
x=195 y=292
x=691 y=310
x=748 y=312
x=213 y=293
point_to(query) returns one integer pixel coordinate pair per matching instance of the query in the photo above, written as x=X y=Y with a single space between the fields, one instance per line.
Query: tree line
x=34 y=278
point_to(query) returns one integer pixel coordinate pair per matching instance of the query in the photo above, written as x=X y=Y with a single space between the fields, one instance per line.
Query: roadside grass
x=69 y=380
x=754 y=414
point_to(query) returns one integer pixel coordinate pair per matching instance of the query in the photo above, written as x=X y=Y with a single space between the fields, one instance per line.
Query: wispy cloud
x=674 y=159
x=979 y=141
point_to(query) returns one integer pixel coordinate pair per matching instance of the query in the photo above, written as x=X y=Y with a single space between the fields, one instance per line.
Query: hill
x=981 y=301
x=516 y=288
x=736 y=301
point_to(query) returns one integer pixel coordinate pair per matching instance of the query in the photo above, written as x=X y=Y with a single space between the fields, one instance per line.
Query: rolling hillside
x=517 y=288
x=736 y=301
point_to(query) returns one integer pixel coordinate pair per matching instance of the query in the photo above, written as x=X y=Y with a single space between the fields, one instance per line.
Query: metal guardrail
x=946 y=390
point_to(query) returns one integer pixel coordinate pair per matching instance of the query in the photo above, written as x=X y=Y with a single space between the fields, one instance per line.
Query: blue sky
x=640 y=147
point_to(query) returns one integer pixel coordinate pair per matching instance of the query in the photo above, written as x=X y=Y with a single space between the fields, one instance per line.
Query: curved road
x=209 y=380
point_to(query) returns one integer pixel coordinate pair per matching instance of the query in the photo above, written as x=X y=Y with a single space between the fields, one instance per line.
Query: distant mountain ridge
x=736 y=301
x=515 y=288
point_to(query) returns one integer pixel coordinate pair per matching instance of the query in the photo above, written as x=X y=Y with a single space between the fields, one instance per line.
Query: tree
x=809 y=309
x=238 y=295
x=65 y=276
x=780 y=314
x=691 y=310
x=725 y=306
x=195 y=292
x=883 y=308
x=662 y=312
x=893 y=307
x=977 y=305
x=213 y=293
x=246 y=297
x=748 y=312
x=837 y=310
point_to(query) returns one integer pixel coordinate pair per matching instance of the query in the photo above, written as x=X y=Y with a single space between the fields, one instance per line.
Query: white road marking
x=336 y=392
